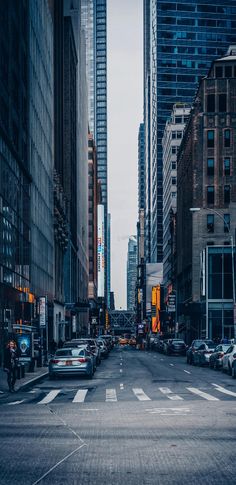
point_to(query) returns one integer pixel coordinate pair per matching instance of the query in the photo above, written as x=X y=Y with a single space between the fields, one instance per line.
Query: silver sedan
x=71 y=361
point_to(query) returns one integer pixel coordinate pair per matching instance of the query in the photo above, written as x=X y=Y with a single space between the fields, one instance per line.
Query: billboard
x=101 y=251
x=24 y=345
x=42 y=311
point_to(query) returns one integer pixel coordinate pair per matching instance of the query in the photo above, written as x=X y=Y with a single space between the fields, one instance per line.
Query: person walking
x=10 y=364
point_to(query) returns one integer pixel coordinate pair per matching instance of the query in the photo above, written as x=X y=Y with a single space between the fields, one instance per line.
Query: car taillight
x=221 y=354
x=234 y=356
x=83 y=359
x=54 y=361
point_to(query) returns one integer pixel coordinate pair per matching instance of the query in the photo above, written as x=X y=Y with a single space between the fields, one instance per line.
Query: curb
x=32 y=381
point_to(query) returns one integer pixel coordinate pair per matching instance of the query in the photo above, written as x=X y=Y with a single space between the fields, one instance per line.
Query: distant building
x=112 y=301
x=131 y=272
x=170 y=144
x=207 y=182
x=141 y=168
x=92 y=207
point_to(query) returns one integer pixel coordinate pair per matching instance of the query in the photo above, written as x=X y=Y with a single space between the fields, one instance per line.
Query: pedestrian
x=60 y=343
x=10 y=364
x=53 y=346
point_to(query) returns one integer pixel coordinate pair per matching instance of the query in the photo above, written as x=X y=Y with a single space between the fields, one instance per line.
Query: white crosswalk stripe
x=224 y=391
x=111 y=395
x=205 y=395
x=168 y=393
x=140 y=394
x=15 y=402
x=50 y=396
x=80 y=395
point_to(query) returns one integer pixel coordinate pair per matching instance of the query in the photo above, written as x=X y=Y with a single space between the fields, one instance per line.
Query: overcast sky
x=125 y=100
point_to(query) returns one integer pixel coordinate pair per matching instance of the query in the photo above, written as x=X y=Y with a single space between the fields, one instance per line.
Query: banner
x=101 y=251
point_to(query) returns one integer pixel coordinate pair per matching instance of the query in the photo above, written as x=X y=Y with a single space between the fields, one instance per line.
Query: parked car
x=71 y=361
x=109 y=340
x=93 y=347
x=158 y=344
x=216 y=358
x=234 y=369
x=174 y=346
x=132 y=341
x=229 y=359
x=202 y=355
x=123 y=341
x=82 y=342
x=103 y=348
x=193 y=347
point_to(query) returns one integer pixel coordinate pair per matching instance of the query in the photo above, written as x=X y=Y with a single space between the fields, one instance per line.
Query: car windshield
x=69 y=353
x=210 y=343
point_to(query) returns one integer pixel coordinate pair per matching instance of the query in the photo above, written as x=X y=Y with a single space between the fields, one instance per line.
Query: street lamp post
x=198 y=209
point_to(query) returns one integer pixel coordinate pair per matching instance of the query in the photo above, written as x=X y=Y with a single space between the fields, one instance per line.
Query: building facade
x=207 y=186
x=185 y=37
x=171 y=141
x=131 y=272
x=92 y=207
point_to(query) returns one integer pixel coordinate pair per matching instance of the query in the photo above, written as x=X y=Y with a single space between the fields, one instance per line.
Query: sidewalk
x=30 y=378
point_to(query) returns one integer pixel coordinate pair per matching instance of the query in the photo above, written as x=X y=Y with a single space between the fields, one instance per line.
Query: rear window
x=210 y=343
x=69 y=353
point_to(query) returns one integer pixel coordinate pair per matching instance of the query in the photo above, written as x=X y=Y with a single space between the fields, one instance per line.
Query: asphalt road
x=143 y=419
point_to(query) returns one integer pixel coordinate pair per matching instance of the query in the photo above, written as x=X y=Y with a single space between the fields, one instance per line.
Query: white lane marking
x=140 y=394
x=225 y=391
x=121 y=370
x=168 y=393
x=122 y=386
x=111 y=395
x=50 y=396
x=161 y=359
x=15 y=402
x=1 y=392
x=206 y=396
x=80 y=395
x=187 y=371
x=169 y=411
x=121 y=363
x=172 y=365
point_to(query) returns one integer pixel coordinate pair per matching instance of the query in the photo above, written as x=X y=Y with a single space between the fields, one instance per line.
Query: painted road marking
x=172 y=365
x=206 y=396
x=111 y=395
x=122 y=387
x=169 y=411
x=187 y=371
x=15 y=402
x=121 y=370
x=50 y=396
x=140 y=394
x=225 y=391
x=168 y=393
x=80 y=395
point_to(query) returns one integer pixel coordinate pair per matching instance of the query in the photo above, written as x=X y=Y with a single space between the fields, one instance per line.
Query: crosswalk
x=123 y=393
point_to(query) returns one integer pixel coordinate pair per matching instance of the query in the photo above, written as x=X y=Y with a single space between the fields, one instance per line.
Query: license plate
x=69 y=362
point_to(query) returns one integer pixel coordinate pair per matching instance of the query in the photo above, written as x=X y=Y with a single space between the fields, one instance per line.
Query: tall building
x=131 y=272
x=94 y=18
x=15 y=177
x=147 y=125
x=185 y=37
x=171 y=141
x=141 y=168
x=108 y=259
x=207 y=186
x=92 y=207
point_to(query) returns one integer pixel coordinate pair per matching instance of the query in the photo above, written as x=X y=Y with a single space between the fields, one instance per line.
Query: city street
x=144 y=418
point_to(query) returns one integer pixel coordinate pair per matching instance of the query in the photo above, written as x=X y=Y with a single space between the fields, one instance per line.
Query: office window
x=210 y=166
x=227 y=166
x=227 y=194
x=210 y=222
x=173 y=150
x=226 y=138
x=210 y=194
x=228 y=71
x=173 y=165
x=174 y=181
x=210 y=138
x=226 y=222
x=222 y=103
x=211 y=103
x=219 y=71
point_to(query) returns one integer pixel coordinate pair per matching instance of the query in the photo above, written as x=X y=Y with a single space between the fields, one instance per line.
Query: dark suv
x=174 y=346
x=192 y=349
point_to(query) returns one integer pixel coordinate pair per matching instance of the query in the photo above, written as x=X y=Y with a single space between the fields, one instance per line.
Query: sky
x=125 y=107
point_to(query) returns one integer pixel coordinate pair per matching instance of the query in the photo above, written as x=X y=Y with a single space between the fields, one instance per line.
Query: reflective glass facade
x=186 y=36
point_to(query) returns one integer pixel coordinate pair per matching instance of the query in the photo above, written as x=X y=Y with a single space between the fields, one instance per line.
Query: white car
x=229 y=358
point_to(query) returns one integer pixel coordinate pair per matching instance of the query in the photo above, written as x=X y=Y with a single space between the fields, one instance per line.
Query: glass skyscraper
x=186 y=36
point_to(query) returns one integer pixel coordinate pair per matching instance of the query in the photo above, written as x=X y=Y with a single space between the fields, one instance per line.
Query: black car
x=174 y=346
x=195 y=346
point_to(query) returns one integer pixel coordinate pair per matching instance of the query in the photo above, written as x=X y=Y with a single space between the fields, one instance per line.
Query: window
x=219 y=71
x=210 y=166
x=210 y=138
x=228 y=71
x=210 y=195
x=211 y=103
x=227 y=166
x=173 y=166
x=174 y=181
x=173 y=150
x=226 y=222
x=227 y=138
x=222 y=103
x=227 y=194
x=210 y=222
